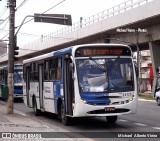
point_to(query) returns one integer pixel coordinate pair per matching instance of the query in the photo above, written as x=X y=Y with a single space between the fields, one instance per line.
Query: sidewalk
x=28 y=129
x=146 y=96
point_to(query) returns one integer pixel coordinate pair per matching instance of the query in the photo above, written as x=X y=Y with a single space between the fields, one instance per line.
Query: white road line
x=45 y=126
x=140 y=124
x=147 y=100
x=122 y=120
x=23 y=114
x=158 y=128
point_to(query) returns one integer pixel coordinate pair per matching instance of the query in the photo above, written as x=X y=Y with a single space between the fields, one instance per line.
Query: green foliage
x=146 y=96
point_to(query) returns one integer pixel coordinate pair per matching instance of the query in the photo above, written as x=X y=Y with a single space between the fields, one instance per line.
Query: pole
x=22 y=23
x=138 y=62
x=11 y=5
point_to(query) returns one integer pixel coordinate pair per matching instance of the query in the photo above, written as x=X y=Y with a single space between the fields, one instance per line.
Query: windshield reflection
x=105 y=75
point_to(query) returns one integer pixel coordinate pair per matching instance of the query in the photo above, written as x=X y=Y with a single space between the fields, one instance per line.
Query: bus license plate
x=109 y=109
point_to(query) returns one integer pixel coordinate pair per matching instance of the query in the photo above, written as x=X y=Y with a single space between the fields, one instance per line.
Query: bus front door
x=68 y=87
x=40 y=68
x=28 y=85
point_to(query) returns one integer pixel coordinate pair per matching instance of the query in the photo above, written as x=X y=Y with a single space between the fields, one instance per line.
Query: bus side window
x=56 y=69
x=59 y=74
x=46 y=71
x=59 y=69
x=51 y=71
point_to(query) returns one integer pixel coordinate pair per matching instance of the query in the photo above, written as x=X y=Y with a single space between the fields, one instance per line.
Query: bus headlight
x=84 y=101
x=132 y=98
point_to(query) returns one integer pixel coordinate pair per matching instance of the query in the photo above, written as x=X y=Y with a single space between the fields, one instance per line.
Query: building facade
x=145 y=71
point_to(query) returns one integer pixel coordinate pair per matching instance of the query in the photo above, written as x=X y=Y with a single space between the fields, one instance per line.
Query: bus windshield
x=105 y=75
x=18 y=76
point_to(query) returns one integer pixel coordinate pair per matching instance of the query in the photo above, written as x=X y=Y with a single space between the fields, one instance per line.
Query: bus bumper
x=85 y=110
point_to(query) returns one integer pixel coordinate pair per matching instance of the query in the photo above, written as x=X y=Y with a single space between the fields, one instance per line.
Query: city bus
x=18 y=90
x=82 y=81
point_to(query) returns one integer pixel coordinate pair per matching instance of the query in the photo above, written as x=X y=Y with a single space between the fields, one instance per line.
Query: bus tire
x=158 y=101
x=65 y=119
x=36 y=111
x=111 y=119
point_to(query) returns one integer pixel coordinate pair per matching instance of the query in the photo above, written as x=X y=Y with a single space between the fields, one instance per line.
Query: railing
x=95 y=18
x=90 y=20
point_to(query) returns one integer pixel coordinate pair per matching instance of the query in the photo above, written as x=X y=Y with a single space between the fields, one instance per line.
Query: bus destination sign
x=94 y=51
x=103 y=52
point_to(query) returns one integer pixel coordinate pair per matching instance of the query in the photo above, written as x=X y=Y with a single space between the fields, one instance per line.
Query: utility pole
x=138 y=61
x=11 y=5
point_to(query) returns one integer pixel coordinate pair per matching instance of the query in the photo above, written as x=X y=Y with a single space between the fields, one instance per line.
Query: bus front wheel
x=36 y=111
x=111 y=119
x=65 y=119
x=158 y=101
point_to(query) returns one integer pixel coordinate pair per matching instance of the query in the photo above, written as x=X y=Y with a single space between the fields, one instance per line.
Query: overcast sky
x=32 y=31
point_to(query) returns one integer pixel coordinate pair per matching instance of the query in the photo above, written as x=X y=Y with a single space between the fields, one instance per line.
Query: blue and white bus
x=18 y=91
x=82 y=81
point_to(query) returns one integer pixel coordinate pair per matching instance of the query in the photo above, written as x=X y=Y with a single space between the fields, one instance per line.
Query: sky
x=32 y=31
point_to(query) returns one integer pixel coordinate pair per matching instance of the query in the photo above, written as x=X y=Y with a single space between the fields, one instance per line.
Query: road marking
x=45 y=126
x=140 y=124
x=158 y=128
x=122 y=120
x=23 y=114
x=147 y=100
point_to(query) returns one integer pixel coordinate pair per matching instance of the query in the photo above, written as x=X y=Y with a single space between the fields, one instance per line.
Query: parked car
x=157 y=96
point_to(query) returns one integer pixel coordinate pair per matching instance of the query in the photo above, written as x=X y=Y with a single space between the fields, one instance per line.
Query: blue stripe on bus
x=62 y=51
x=16 y=91
x=95 y=98
x=56 y=92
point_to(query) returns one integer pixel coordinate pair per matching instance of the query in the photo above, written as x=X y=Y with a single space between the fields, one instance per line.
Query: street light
x=48 y=18
x=62 y=19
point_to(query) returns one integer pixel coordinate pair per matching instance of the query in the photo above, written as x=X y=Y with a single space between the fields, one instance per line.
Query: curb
x=140 y=99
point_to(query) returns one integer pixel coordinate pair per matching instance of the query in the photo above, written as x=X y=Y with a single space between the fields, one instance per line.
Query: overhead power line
x=5 y=20
x=21 y=4
x=30 y=19
x=3 y=11
x=53 y=7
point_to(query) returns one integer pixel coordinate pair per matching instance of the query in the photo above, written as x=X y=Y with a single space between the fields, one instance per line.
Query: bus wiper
x=108 y=69
x=99 y=66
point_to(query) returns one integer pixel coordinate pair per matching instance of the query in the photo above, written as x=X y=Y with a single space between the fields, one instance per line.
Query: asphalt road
x=147 y=119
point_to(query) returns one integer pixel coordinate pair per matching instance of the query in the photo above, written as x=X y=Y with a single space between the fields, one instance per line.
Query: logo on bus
x=47 y=89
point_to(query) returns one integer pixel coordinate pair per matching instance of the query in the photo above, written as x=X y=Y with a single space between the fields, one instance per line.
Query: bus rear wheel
x=111 y=119
x=36 y=111
x=65 y=119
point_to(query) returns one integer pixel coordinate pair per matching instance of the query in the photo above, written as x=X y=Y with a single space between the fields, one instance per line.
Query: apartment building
x=145 y=60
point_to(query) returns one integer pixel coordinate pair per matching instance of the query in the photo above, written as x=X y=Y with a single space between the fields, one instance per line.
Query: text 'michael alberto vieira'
x=137 y=135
